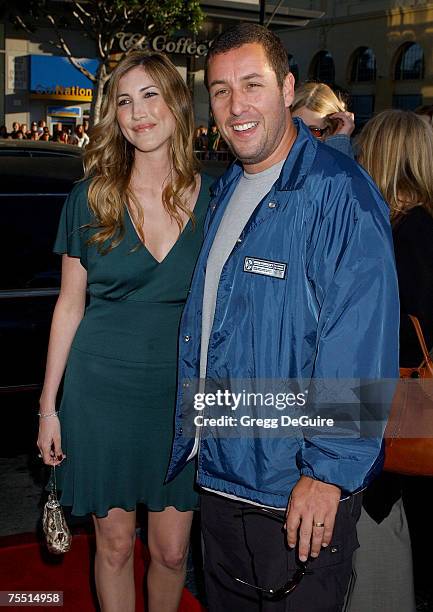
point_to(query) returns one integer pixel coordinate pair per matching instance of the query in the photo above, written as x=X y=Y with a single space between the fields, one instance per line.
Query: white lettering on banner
x=181 y=46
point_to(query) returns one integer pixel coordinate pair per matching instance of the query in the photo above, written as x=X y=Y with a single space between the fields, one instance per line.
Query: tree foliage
x=101 y=21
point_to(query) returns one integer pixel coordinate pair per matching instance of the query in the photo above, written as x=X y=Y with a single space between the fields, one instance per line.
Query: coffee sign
x=182 y=45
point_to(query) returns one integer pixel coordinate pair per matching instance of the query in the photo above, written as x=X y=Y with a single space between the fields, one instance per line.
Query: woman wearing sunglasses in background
x=325 y=114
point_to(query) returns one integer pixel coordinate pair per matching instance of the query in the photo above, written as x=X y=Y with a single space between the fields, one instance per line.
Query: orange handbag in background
x=411 y=417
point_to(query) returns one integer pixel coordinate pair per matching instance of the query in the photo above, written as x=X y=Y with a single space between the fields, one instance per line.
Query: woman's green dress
x=117 y=409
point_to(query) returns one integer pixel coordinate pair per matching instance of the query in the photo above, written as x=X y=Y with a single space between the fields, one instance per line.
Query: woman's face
x=142 y=113
x=316 y=122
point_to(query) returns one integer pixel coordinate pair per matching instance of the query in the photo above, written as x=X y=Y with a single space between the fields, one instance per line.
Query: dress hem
x=103 y=514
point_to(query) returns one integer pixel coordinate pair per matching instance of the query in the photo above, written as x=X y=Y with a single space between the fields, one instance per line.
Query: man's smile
x=243 y=127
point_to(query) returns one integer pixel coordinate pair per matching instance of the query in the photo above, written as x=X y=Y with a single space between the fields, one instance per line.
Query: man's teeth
x=245 y=126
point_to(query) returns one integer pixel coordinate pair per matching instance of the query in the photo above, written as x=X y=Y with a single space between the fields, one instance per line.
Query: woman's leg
x=114 y=562
x=168 y=541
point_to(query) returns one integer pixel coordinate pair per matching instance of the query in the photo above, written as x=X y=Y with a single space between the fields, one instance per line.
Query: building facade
x=379 y=51
x=41 y=84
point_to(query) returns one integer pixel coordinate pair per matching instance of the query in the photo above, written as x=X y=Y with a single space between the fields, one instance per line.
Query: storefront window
x=363 y=65
x=322 y=67
x=410 y=62
x=363 y=108
x=407 y=101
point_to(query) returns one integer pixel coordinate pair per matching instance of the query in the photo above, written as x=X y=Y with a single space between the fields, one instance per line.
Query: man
x=41 y=126
x=80 y=137
x=15 y=129
x=295 y=280
x=34 y=134
x=213 y=140
x=57 y=131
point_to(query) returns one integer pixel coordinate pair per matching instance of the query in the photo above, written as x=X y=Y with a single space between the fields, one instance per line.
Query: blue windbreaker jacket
x=334 y=315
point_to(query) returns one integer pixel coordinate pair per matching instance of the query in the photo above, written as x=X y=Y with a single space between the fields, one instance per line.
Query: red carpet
x=25 y=565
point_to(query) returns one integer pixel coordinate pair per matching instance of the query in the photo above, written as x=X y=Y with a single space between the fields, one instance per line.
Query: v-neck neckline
x=157 y=262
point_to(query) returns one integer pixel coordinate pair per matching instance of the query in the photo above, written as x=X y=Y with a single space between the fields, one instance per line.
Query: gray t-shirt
x=246 y=196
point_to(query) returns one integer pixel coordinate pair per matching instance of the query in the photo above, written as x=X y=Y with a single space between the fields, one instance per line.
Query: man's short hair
x=247 y=33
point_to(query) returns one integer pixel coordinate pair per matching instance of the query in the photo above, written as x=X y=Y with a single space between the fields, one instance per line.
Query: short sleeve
x=72 y=233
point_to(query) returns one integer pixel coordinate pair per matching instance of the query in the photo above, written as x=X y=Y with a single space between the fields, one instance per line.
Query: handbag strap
x=421 y=340
x=52 y=482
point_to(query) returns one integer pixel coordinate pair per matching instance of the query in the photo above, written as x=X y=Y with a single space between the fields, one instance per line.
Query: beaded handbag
x=57 y=534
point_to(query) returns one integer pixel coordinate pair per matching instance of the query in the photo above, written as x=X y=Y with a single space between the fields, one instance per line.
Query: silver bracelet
x=44 y=416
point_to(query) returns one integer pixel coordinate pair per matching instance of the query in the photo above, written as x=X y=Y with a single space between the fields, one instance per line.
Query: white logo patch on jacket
x=276 y=269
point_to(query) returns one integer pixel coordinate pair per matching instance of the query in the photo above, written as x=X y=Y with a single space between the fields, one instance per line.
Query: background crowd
x=209 y=145
x=40 y=131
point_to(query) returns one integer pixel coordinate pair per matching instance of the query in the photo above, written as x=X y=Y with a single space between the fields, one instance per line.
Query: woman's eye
x=150 y=94
x=123 y=102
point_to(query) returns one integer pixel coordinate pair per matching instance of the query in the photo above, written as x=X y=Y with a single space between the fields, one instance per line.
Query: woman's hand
x=346 y=123
x=49 y=440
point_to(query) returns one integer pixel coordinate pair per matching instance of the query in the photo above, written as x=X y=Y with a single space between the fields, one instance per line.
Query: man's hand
x=311 y=503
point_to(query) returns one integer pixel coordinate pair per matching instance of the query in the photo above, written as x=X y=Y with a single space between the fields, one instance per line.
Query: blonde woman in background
x=130 y=234
x=396 y=149
x=326 y=115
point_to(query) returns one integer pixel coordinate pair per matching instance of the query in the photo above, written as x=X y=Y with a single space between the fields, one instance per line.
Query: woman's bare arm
x=68 y=313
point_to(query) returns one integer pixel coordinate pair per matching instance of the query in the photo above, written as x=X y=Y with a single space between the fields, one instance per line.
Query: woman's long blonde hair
x=109 y=157
x=317 y=97
x=396 y=149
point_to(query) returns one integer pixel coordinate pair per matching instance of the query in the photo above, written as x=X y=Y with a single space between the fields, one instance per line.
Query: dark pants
x=252 y=546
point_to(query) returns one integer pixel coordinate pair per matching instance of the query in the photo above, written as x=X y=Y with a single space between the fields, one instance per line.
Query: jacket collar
x=295 y=169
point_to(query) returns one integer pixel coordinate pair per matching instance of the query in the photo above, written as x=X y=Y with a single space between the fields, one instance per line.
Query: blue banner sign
x=55 y=78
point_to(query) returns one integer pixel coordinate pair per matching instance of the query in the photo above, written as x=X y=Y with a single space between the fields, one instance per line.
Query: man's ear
x=289 y=89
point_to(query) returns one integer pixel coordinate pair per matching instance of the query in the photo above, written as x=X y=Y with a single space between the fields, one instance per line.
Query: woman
x=130 y=234
x=325 y=114
x=396 y=149
x=24 y=129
